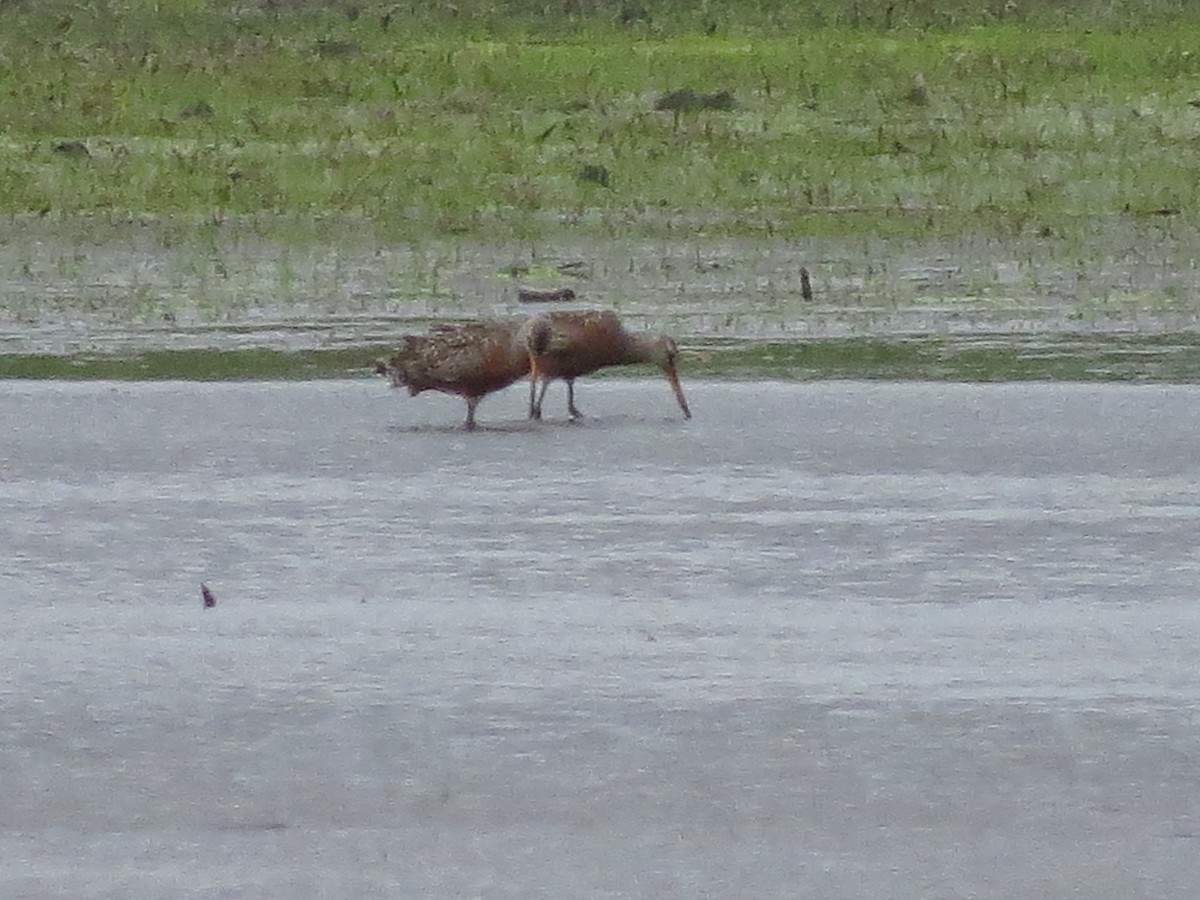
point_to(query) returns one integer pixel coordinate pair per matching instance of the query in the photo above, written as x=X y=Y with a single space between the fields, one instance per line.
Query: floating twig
x=530 y=295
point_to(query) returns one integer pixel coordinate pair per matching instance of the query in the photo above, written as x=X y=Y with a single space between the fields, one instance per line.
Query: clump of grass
x=688 y=100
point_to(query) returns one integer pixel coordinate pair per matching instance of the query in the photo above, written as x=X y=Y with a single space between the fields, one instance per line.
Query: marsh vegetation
x=479 y=120
x=528 y=126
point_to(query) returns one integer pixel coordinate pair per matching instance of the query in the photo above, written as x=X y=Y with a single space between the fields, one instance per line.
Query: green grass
x=257 y=364
x=1036 y=120
x=983 y=358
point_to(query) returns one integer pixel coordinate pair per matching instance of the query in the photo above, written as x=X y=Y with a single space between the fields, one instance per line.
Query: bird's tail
x=539 y=337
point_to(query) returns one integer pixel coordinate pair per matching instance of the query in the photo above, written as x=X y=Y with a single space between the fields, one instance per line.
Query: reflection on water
x=841 y=638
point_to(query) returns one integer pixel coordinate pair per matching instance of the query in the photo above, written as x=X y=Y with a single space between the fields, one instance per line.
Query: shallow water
x=832 y=639
x=77 y=299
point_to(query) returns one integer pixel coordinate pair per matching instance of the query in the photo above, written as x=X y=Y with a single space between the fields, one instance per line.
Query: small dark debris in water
x=688 y=100
x=805 y=284
x=595 y=175
x=73 y=149
x=209 y=600
x=530 y=295
x=201 y=109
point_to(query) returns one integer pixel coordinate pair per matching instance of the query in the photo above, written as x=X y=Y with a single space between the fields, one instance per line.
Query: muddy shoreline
x=156 y=300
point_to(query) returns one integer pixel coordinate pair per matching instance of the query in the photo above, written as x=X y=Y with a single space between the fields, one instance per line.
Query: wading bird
x=569 y=344
x=471 y=360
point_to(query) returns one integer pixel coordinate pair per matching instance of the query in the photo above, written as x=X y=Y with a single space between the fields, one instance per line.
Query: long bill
x=673 y=380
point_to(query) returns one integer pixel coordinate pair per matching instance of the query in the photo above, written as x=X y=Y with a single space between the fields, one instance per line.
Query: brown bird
x=569 y=344
x=471 y=360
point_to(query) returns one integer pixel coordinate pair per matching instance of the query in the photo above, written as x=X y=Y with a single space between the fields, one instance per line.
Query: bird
x=470 y=359
x=567 y=344
x=207 y=596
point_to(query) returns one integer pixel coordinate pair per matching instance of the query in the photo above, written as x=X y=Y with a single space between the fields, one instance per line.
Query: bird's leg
x=535 y=403
x=542 y=395
x=575 y=414
x=472 y=402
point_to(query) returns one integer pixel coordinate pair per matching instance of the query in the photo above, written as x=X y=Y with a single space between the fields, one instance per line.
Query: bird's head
x=398 y=370
x=389 y=370
x=663 y=351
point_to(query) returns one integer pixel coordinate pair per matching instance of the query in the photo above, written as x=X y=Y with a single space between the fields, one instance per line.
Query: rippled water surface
x=831 y=640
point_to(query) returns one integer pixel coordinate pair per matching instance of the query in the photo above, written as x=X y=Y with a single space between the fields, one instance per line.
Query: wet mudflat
x=829 y=639
x=138 y=301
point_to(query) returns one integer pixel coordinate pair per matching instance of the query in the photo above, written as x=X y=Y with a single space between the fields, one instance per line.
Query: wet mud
x=136 y=301
x=831 y=639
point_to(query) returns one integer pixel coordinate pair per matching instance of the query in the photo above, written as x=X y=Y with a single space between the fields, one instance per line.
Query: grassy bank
x=981 y=358
x=517 y=120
